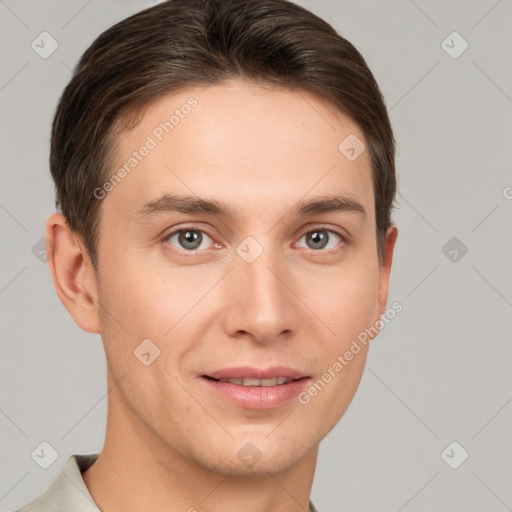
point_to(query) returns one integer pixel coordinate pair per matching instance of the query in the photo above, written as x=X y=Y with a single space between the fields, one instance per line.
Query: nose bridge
x=261 y=304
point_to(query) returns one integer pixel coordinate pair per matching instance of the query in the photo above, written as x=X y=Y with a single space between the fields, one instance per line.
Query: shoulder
x=68 y=491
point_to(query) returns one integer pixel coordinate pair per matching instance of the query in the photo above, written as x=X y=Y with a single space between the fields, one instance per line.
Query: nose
x=260 y=304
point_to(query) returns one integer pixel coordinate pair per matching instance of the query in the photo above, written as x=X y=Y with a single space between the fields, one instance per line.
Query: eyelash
x=344 y=240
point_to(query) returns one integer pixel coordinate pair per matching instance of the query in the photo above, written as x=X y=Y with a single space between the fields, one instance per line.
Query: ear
x=72 y=273
x=385 y=270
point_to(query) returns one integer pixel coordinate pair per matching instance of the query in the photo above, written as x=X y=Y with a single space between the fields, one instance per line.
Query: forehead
x=255 y=146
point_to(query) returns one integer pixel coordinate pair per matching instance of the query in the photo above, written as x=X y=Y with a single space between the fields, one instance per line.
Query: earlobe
x=72 y=273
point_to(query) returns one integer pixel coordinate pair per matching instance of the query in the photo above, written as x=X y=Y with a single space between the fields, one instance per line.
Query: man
x=225 y=177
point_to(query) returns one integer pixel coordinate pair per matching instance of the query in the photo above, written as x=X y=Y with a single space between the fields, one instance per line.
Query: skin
x=260 y=151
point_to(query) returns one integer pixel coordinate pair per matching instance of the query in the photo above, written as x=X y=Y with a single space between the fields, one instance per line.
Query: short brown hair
x=186 y=43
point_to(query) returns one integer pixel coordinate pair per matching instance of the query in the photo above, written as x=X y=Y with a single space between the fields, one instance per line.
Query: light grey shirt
x=68 y=492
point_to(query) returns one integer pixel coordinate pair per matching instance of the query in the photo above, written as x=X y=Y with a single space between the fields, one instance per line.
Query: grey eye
x=188 y=239
x=320 y=238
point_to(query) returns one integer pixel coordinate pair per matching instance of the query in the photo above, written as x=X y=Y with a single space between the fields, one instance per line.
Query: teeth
x=233 y=381
x=252 y=382
x=258 y=382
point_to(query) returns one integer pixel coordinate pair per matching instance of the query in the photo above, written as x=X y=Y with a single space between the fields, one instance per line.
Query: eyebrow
x=191 y=204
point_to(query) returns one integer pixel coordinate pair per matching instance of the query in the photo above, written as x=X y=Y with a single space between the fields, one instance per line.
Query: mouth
x=249 y=381
x=252 y=388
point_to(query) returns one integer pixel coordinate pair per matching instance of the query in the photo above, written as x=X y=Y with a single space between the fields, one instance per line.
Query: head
x=225 y=175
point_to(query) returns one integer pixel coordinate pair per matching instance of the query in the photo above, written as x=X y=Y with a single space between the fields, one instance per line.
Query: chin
x=246 y=458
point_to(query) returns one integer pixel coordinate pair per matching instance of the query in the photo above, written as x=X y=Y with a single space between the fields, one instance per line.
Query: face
x=242 y=245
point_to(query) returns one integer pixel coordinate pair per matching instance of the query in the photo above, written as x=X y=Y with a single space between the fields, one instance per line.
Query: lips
x=253 y=388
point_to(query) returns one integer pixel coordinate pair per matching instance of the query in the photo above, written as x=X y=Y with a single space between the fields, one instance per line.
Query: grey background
x=439 y=372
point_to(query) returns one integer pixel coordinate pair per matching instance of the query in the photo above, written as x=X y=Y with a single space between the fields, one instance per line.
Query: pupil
x=319 y=239
x=190 y=239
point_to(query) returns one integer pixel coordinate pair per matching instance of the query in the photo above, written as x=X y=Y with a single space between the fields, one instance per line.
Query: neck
x=136 y=471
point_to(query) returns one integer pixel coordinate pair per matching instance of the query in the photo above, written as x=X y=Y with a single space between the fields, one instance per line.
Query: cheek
x=140 y=302
x=135 y=293
x=129 y=311
x=347 y=304
x=349 y=309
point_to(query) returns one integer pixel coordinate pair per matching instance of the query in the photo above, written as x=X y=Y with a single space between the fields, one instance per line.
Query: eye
x=321 y=239
x=188 y=239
